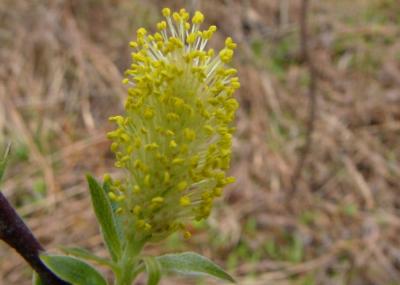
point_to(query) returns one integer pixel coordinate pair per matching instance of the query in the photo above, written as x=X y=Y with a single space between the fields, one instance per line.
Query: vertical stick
x=312 y=89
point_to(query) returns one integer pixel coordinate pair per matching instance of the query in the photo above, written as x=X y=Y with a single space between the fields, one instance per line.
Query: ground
x=315 y=202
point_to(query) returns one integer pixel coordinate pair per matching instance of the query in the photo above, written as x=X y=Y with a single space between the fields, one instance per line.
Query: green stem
x=129 y=267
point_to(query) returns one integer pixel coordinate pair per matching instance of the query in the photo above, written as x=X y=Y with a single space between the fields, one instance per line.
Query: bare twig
x=312 y=90
x=17 y=235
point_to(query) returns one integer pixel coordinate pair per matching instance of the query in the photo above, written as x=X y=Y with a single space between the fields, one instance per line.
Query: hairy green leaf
x=87 y=255
x=190 y=263
x=73 y=270
x=114 y=206
x=105 y=217
x=153 y=269
x=36 y=279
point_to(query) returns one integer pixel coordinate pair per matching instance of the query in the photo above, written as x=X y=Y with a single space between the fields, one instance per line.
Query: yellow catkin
x=174 y=138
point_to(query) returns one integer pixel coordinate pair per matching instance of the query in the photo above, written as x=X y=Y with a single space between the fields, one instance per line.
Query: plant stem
x=17 y=235
x=129 y=266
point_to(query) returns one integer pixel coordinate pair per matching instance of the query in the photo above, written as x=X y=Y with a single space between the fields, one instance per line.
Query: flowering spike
x=174 y=139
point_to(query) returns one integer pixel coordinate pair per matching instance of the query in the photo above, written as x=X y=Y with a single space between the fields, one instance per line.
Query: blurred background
x=316 y=152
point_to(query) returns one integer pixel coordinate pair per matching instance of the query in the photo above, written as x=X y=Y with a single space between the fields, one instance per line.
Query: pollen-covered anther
x=198 y=18
x=185 y=201
x=157 y=200
x=136 y=189
x=137 y=210
x=112 y=196
x=161 y=26
x=226 y=55
x=148 y=113
x=187 y=235
x=172 y=144
x=166 y=12
x=182 y=185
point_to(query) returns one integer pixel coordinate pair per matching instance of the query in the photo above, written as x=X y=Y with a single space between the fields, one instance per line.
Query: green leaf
x=87 y=255
x=153 y=269
x=73 y=270
x=3 y=162
x=105 y=217
x=107 y=188
x=36 y=279
x=190 y=263
x=114 y=206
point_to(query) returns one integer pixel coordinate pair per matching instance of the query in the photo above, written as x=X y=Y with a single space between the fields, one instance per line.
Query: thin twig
x=312 y=93
x=17 y=235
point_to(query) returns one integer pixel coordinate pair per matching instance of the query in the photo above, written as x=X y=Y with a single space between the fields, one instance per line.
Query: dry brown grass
x=61 y=64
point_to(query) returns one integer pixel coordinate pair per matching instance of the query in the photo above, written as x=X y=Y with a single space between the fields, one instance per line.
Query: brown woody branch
x=17 y=235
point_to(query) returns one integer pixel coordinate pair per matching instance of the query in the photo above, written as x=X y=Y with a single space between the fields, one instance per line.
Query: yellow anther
x=112 y=196
x=166 y=12
x=194 y=160
x=189 y=134
x=230 y=180
x=212 y=28
x=235 y=84
x=178 y=102
x=172 y=144
x=140 y=224
x=120 y=198
x=191 y=38
x=176 y=17
x=137 y=210
x=141 y=32
x=217 y=191
x=125 y=137
x=114 y=146
x=147 y=180
x=167 y=177
x=184 y=15
x=147 y=227
x=133 y=44
x=118 y=119
x=177 y=161
x=137 y=142
x=198 y=18
x=172 y=117
x=161 y=26
x=107 y=178
x=137 y=163
x=182 y=185
x=113 y=134
x=209 y=129
x=148 y=113
x=157 y=200
x=187 y=235
x=136 y=189
x=117 y=183
x=209 y=33
x=226 y=55
x=185 y=201
x=151 y=146
x=229 y=43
